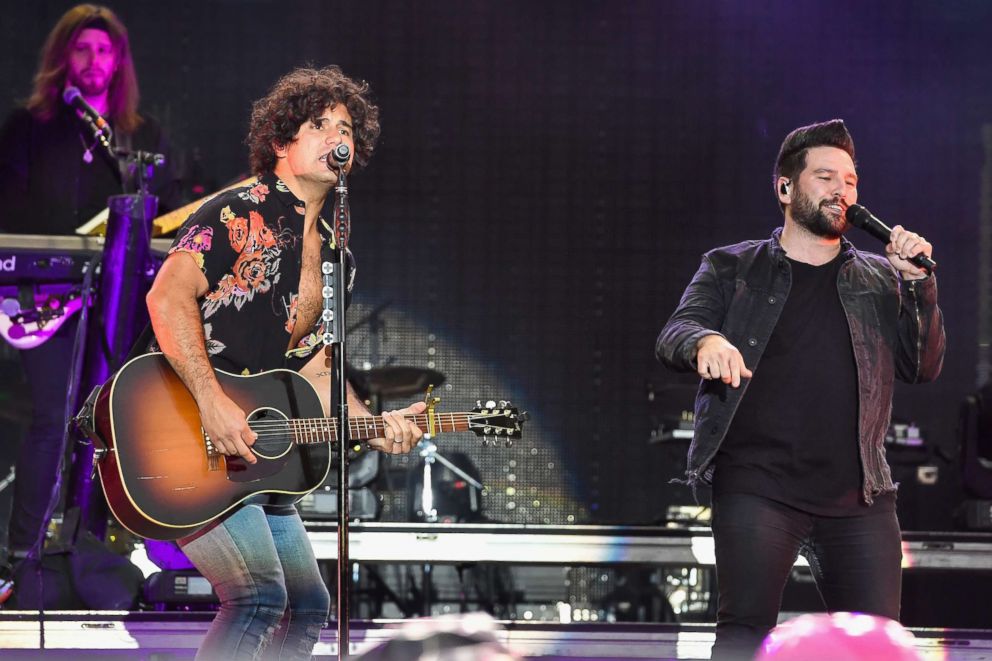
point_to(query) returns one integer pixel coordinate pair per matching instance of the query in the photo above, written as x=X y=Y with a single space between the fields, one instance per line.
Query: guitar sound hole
x=275 y=435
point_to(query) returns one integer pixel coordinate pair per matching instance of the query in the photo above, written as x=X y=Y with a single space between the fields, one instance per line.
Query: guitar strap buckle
x=83 y=423
x=83 y=426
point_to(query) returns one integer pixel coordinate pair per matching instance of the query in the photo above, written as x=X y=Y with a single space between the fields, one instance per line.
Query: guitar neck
x=362 y=428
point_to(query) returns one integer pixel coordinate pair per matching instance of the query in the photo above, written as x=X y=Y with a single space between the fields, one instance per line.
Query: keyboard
x=37 y=259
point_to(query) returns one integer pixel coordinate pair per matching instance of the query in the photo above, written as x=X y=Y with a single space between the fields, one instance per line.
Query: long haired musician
x=53 y=178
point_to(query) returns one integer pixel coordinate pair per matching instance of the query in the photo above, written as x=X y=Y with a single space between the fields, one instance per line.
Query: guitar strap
x=142 y=344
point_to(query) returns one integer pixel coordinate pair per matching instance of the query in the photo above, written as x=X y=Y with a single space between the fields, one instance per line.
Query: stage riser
x=596 y=545
x=549 y=569
x=89 y=636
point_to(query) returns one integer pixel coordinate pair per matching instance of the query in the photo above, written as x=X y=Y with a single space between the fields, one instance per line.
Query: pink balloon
x=839 y=637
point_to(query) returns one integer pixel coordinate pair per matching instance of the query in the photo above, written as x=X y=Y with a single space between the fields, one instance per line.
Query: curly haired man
x=241 y=290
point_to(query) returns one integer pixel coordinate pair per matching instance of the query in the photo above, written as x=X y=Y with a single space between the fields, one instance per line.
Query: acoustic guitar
x=164 y=479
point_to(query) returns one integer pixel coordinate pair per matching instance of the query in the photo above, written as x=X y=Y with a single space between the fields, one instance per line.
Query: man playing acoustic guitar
x=241 y=291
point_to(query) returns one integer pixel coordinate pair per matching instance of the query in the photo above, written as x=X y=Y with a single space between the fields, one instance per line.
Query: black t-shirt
x=46 y=185
x=794 y=437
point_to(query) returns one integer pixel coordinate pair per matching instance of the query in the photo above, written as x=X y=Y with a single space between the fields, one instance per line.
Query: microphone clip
x=338 y=159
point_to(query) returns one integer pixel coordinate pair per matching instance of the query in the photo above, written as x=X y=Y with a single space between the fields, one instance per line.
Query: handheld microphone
x=73 y=97
x=339 y=155
x=858 y=216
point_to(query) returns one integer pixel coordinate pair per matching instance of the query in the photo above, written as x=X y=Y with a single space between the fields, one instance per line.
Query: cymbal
x=395 y=380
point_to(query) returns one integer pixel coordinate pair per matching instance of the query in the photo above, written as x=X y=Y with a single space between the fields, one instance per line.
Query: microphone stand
x=428 y=450
x=125 y=267
x=335 y=294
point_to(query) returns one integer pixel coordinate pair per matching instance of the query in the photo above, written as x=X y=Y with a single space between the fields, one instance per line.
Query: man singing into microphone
x=241 y=290
x=797 y=340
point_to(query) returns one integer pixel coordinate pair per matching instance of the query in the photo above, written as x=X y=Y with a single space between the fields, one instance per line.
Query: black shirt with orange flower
x=249 y=244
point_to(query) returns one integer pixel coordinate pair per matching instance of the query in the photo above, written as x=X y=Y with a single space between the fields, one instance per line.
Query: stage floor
x=174 y=636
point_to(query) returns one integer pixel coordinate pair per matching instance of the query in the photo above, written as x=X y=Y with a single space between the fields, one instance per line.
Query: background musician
x=53 y=178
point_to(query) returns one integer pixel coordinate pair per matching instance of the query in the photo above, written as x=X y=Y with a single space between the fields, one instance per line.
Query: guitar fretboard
x=321 y=430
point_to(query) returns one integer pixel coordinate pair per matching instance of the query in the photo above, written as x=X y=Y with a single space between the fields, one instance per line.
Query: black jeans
x=856 y=562
x=47 y=370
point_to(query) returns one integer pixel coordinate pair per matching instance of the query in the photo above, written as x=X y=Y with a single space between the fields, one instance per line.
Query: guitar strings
x=280 y=432
x=289 y=431
x=291 y=428
x=353 y=423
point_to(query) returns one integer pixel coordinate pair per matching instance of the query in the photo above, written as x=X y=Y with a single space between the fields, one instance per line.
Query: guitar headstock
x=494 y=420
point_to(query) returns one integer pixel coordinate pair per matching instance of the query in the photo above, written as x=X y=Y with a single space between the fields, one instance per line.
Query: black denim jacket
x=897 y=330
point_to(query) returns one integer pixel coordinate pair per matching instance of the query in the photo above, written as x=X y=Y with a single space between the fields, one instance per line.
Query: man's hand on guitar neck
x=226 y=425
x=401 y=434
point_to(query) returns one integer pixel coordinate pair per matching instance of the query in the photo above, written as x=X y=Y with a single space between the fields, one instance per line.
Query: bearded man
x=54 y=176
x=798 y=339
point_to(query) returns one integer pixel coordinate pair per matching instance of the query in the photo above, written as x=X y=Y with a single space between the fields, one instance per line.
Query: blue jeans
x=273 y=600
x=856 y=562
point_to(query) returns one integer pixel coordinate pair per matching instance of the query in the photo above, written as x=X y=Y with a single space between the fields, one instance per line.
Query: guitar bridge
x=213 y=457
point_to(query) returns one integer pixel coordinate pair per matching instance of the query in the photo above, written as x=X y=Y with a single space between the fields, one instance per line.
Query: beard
x=815 y=220
x=91 y=85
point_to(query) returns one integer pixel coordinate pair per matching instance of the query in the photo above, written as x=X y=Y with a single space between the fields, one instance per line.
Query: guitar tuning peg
x=508 y=443
x=487 y=430
x=503 y=403
x=490 y=404
x=478 y=403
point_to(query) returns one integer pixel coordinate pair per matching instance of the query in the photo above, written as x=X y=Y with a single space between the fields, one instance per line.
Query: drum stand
x=428 y=450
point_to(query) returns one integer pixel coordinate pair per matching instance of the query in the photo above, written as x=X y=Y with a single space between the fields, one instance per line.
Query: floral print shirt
x=249 y=244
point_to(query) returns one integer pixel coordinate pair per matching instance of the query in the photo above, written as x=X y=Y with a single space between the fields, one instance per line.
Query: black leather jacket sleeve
x=700 y=313
x=921 y=332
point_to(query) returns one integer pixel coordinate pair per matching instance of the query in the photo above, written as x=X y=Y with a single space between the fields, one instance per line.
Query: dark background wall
x=550 y=172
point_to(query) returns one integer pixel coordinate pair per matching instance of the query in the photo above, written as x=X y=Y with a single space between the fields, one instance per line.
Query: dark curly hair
x=791 y=159
x=302 y=96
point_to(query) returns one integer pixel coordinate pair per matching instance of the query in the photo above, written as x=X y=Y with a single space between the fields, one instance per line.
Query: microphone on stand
x=858 y=216
x=73 y=97
x=337 y=160
x=338 y=157
x=334 y=311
